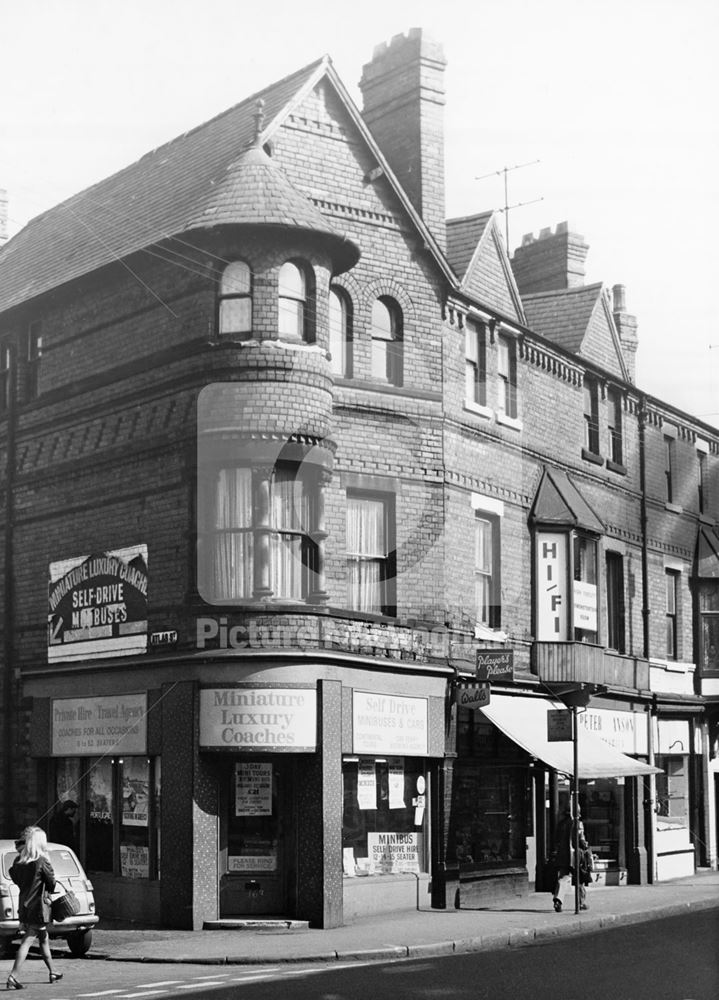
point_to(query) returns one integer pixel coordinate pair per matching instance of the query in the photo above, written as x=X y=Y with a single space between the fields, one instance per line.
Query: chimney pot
x=619 y=296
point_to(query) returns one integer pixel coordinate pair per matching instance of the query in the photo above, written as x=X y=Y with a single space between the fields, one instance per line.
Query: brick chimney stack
x=551 y=262
x=626 y=325
x=3 y=216
x=403 y=97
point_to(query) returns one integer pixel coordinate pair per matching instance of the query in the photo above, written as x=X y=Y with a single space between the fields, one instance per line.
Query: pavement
x=419 y=933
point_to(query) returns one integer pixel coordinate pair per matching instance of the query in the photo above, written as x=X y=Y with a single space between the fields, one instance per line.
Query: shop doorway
x=256 y=858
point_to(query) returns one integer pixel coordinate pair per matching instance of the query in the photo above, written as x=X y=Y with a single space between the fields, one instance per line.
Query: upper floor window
x=616 y=444
x=475 y=364
x=387 y=341
x=672 y=602
x=236 y=300
x=486 y=570
x=591 y=415
x=669 y=447
x=584 y=590
x=615 y=602
x=370 y=553
x=340 y=315
x=702 y=482
x=32 y=359
x=293 y=302
x=507 y=373
x=249 y=553
x=5 y=369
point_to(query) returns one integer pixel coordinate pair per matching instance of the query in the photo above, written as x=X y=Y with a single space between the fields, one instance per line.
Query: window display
x=385 y=816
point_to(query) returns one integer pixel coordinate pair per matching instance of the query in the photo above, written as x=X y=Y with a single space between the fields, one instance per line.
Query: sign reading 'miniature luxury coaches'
x=262 y=719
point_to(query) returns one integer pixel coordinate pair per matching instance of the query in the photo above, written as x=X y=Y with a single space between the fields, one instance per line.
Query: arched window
x=340 y=333
x=292 y=299
x=387 y=341
x=236 y=300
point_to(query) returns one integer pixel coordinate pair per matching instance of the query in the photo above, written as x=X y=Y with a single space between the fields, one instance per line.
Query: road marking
x=103 y=993
x=141 y=986
x=145 y=993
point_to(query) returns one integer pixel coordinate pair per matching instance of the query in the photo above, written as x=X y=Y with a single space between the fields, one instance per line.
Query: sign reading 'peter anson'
x=98 y=605
x=262 y=719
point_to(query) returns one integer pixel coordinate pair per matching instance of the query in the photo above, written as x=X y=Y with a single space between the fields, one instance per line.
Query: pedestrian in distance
x=62 y=824
x=32 y=873
x=566 y=869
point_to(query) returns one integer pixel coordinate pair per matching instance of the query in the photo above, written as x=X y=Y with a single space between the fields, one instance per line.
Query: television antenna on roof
x=507 y=206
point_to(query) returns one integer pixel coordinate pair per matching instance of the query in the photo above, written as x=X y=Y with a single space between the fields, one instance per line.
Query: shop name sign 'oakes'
x=98 y=605
x=264 y=719
x=495 y=665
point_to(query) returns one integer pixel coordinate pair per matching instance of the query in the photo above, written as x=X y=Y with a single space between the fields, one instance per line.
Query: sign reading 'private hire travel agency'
x=98 y=605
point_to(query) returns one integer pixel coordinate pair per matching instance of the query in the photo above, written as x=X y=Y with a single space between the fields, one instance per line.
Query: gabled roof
x=183 y=185
x=559 y=503
x=578 y=320
x=478 y=256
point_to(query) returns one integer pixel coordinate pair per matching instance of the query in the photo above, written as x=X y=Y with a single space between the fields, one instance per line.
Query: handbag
x=67 y=905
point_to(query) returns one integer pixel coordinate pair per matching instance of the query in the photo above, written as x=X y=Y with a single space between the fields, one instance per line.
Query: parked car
x=76 y=930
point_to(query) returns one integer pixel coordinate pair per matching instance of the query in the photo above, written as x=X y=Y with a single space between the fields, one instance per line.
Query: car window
x=63 y=864
x=7 y=860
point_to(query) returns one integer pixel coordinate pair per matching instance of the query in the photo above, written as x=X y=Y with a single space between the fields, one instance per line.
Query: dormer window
x=235 y=317
x=293 y=297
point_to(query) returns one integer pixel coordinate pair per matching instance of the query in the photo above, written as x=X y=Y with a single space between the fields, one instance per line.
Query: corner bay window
x=260 y=544
x=387 y=337
x=293 y=299
x=384 y=818
x=116 y=827
x=370 y=553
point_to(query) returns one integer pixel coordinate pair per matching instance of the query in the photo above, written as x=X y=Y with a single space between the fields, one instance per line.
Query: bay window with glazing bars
x=261 y=540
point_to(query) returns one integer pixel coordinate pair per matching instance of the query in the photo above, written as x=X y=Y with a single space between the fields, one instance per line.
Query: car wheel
x=79 y=943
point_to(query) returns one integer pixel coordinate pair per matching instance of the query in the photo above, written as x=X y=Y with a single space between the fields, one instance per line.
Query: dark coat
x=35 y=879
x=565 y=842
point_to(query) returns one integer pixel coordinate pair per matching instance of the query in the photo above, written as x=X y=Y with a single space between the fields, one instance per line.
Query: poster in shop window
x=396 y=786
x=135 y=791
x=253 y=789
x=134 y=861
x=367 y=785
x=392 y=853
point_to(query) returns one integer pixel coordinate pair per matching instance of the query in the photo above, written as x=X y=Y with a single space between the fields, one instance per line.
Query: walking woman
x=33 y=874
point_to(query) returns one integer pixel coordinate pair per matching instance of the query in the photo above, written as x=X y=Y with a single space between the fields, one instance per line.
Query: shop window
x=387 y=334
x=384 y=816
x=671 y=580
x=507 y=374
x=235 y=308
x=5 y=370
x=486 y=570
x=615 y=602
x=340 y=333
x=236 y=528
x=584 y=590
x=489 y=809
x=475 y=364
x=591 y=415
x=114 y=825
x=370 y=553
x=669 y=460
x=709 y=627
x=33 y=353
x=254 y=834
x=672 y=792
x=294 y=299
x=616 y=442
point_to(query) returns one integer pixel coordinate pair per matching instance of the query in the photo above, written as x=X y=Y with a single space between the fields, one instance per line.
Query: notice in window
x=367 y=785
x=396 y=786
x=134 y=861
x=392 y=853
x=253 y=789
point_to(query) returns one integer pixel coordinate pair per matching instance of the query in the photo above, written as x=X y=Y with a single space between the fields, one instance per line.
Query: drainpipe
x=8 y=608
x=650 y=785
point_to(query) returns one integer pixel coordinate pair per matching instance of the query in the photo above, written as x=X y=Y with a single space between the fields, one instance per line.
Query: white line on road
x=103 y=993
x=165 y=982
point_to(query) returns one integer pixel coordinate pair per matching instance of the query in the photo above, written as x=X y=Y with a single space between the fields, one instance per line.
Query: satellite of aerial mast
x=507 y=206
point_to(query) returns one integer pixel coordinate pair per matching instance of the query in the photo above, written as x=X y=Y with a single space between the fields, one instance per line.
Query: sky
x=607 y=110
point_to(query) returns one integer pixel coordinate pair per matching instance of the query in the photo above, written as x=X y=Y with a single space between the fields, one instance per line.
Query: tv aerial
x=507 y=207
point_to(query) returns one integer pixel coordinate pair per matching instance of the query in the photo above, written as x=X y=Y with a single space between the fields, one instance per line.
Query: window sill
x=489 y=634
x=512 y=422
x=675 y=508
x=621 y=470
x=479 y=410
x=592 y=456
